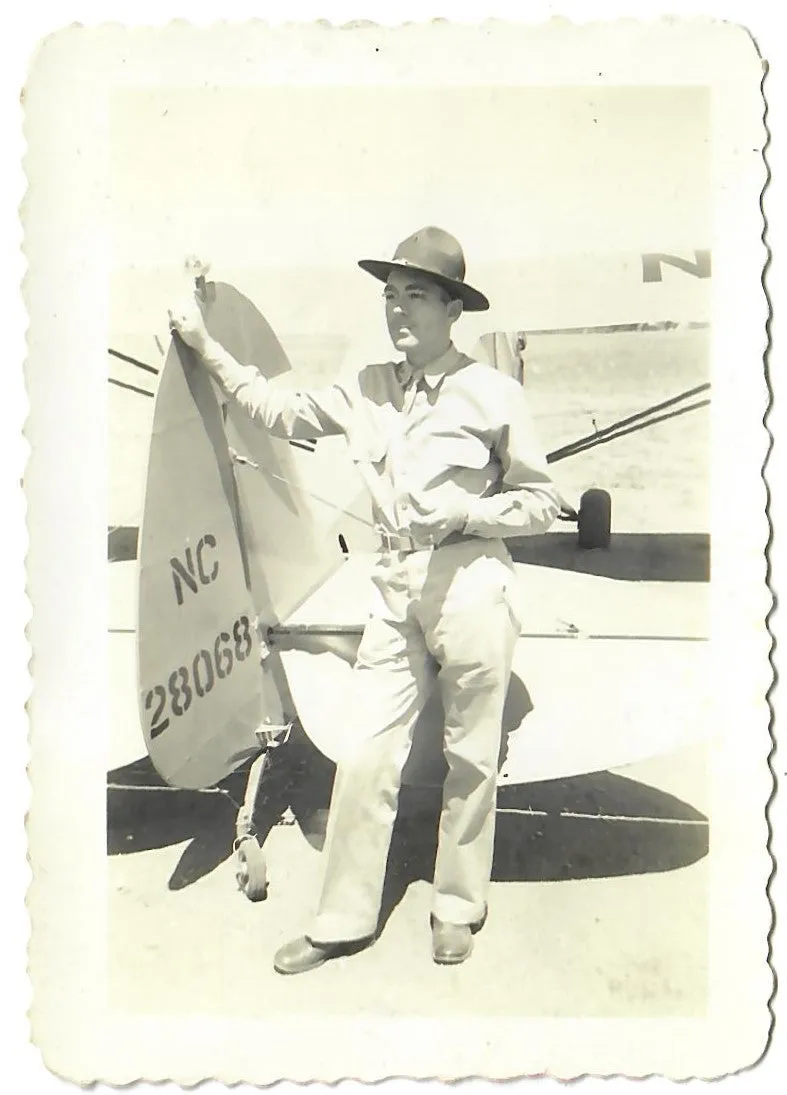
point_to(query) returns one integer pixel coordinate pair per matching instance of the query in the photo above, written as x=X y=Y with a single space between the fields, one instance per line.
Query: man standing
x=447 y=449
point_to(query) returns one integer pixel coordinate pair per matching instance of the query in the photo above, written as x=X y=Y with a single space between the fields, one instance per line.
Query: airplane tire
x=252 y=870
x=595 y=519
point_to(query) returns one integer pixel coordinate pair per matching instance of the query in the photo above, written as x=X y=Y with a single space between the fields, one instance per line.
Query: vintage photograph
x=528 y=561
x=415 y=582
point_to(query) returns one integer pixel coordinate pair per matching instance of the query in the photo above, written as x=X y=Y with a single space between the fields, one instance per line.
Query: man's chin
x=404 y=342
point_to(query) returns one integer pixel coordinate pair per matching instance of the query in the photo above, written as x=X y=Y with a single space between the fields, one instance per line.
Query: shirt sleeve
x=289 y=413
x=528 y=501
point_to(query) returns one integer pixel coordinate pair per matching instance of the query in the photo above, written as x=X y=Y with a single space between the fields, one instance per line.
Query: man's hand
x=433 y=525
x=187 y=320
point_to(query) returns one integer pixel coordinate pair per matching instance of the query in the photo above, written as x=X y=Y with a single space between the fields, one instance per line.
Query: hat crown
x=433 y=250
x=437 y=254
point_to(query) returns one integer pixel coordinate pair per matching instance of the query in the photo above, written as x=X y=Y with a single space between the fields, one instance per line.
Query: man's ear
x=455 y=309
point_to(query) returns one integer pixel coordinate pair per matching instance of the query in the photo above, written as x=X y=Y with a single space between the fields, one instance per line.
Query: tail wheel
x=595 y=519
x=252 y=870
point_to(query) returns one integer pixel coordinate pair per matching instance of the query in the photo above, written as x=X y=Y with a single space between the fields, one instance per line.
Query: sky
x=283 y=189
x=307 y=173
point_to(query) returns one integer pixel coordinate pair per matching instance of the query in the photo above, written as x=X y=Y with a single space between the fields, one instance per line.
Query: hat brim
x=472 y=299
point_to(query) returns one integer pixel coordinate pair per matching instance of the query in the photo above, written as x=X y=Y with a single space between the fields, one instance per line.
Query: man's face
x=419 y=315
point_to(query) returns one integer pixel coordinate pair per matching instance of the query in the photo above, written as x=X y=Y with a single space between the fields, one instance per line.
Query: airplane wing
x=579 y=699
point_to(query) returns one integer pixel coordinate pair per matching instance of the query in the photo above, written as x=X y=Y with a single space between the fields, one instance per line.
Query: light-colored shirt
x=457 y=434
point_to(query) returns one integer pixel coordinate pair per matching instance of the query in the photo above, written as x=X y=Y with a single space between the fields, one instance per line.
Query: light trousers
x=447 y=617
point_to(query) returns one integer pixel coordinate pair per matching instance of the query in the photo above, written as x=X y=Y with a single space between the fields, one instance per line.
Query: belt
x=394 y=542
x=391 y=542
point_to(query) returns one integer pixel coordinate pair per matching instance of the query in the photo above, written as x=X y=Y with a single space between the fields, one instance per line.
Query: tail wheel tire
x=595 y=519
x=252 y=870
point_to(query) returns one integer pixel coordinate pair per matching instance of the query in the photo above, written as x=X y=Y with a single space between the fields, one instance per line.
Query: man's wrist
x=223 y=367
x=213 y=355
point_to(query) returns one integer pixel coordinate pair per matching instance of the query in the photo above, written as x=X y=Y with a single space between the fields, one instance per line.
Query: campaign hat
x=438 y=255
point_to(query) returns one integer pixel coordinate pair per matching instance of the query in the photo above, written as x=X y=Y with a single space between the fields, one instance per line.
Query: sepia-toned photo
x=418 y=429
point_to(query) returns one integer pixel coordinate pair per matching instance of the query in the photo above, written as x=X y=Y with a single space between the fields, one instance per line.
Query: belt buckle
x=391 y=542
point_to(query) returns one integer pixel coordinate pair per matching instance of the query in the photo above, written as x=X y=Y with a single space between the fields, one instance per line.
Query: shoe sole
x=301 y=969
x=453 y=960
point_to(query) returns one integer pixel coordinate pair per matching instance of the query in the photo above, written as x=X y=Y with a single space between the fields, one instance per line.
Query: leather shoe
x=451 y=943
x=302 y=955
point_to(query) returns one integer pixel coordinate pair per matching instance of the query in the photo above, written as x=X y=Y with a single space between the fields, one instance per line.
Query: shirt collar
x=434 y=372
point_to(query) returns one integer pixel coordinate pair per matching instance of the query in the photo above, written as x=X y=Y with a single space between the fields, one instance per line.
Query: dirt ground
x=598 y=904
x=658 y=476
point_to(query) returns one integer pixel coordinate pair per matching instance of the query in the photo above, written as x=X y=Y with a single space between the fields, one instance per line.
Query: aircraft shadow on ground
x=143 y=814
x=631 y=556
x=624 y=827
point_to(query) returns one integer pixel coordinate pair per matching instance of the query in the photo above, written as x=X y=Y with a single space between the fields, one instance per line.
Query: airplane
x=252 y=564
